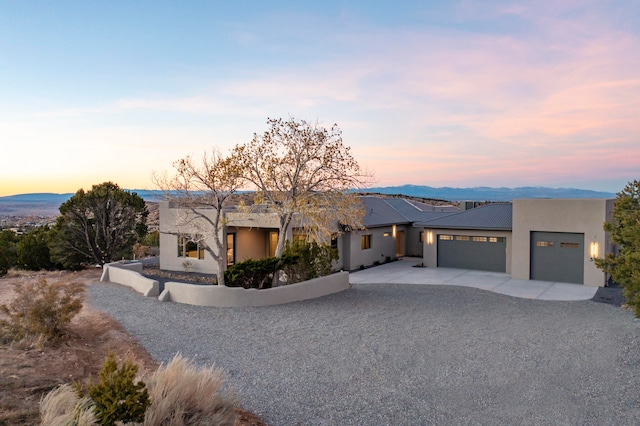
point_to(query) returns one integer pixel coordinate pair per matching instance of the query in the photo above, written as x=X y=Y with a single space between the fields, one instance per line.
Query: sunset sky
x=438 y=93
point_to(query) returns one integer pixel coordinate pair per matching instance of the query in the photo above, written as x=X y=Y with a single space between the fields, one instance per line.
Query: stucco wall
x=381 y=247
x=413 y=245
x=585 y=216
x=130 y=274
x=169 y=259
x=251 y=243
x=220 y=296
x=430 y=252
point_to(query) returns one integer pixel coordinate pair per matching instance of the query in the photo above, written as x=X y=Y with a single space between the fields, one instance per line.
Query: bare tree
x=200 y=191
x=300 y=168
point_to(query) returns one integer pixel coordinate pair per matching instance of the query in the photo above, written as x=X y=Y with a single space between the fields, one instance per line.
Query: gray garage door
x=472 y=252
x=557 y=256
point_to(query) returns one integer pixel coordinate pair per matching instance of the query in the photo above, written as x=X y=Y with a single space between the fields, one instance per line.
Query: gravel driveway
x=405 y=355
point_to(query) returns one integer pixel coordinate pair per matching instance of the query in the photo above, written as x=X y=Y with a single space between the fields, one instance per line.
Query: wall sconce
x=393 y=231
x=593 y=251
x=429 y=237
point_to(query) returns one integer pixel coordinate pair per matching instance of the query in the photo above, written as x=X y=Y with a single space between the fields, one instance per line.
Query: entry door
x=400 y=244
x=557 y=256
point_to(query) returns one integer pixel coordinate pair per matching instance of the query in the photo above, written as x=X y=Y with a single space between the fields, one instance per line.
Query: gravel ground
x=405 y=355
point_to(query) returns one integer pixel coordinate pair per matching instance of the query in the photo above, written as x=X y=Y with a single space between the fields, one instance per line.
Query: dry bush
x=41 y=312
x=62 y=406
x=184 y=395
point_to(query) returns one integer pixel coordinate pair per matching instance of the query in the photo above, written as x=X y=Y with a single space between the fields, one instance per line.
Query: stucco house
x=531 y=239
x=388 y=234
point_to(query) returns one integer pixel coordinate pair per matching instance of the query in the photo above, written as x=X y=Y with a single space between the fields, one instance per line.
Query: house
x=531 y=239
x=388 y=234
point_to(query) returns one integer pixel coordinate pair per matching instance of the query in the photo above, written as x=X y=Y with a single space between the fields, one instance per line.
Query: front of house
x=531 y=239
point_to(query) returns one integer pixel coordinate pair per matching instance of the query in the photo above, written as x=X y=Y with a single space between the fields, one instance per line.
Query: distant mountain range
x=483 y=193
x=47 y=204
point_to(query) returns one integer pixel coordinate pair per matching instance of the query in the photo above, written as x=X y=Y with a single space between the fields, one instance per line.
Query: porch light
x=429 y=237
x=393 y=231
x=593 y=250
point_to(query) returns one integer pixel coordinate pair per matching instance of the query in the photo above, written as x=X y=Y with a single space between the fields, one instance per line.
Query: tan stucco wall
x=585 y=216
x=251 y=243
x=430 y=253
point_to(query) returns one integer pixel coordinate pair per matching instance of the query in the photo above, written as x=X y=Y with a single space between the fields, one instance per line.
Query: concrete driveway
x=404 y=271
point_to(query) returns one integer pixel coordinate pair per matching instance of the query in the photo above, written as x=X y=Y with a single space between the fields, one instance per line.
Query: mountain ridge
x=448 y=192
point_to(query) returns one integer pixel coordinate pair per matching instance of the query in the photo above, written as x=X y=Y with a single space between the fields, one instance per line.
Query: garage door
x=557 y=256
x=472 y=252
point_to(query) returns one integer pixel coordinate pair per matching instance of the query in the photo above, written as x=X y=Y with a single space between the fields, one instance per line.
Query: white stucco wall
x=169 y=259
x=585 y=216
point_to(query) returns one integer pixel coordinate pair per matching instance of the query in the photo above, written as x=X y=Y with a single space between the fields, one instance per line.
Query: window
x=334 y=242
x=231 y=252
x=189 y=248
x=569 y=245
x=365 y=242
x=462 y=238
x=544 y=243
x=480 y=239
x=446 y=237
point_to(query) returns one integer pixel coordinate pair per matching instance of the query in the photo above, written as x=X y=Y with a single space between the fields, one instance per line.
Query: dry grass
x=184 y=395
x=62 y=406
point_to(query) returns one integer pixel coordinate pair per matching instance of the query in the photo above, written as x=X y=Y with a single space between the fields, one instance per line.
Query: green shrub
x=8 y=257
x=152 y=239
x=255 y=273
x=41 y=311
x=116 y=396
x=312 y=260
x=33 y=250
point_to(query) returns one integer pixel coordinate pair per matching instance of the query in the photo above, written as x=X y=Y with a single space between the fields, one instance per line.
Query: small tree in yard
x=624 y=230
x=98 y=226
x=201 y=190
x=301 y=168
x=41 y=311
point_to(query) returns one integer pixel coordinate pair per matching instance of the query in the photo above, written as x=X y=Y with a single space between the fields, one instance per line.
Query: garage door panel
x=557 y=256
x=477 y=253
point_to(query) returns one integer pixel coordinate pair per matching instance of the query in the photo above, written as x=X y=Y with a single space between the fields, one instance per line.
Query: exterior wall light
x=393 y=231
x=429 y=237
x=593 y=251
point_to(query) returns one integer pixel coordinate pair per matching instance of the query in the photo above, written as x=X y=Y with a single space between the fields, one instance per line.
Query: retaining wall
x=236 y=297
x=130 y=274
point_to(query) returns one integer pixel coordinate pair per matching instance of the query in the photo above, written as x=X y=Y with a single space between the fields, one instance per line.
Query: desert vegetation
x=175 y=394
x=51 y=339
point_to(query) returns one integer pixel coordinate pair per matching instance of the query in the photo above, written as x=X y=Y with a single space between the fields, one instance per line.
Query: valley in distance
x=38 y=209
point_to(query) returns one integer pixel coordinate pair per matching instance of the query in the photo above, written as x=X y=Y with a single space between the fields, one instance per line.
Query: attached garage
x=557 y=256
x=483 y=253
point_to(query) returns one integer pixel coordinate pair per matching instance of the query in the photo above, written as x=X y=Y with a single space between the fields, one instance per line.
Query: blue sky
x=435 y=93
